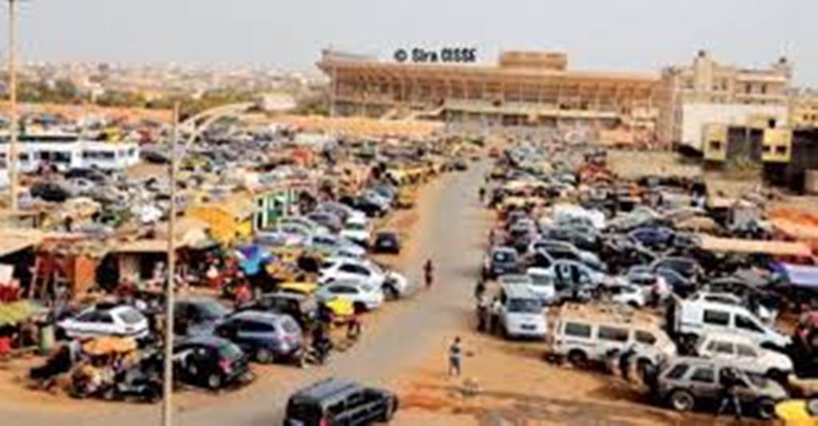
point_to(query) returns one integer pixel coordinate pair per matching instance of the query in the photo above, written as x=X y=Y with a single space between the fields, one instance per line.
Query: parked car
x=387 y=242
x=694 y=318
x=266 y=336
x=329 y=220
x=363 y=296
x=358 y=231
x=197 y=315
x=564 y=250
x=628 y=294
x=686 y=382
x=745 y=354
x=105 y=320
x=522 y=314
x=50 y=191
x=303 y=308
x=583 y=334
x=501 y=260
x=654 y=237
x=333 y=245
x=210 y=362
x=342 y=402
x=345 y=212
x=542 y=284
x=366 y=205
x=391 y=283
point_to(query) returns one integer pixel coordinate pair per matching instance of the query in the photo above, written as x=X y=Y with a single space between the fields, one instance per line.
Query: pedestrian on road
x=494 y=317
x=354 y=326
x=482 y=194
x=455 y=358
x=728 y=395
x=482 y=313
x=480 y=289
x=625 y=358
x=428 y=271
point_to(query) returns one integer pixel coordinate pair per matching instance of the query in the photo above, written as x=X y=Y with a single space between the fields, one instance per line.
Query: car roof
x=204 y=340
x=325 y=389
x=731 y=337
x=268 y=317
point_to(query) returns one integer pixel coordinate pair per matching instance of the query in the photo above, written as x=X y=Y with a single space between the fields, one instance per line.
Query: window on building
x=715 y=145
x=767 y=149
x=748 y=88
x=763 y=89
x=781 y=149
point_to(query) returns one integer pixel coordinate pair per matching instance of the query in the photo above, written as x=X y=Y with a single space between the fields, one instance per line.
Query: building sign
x=443 y=55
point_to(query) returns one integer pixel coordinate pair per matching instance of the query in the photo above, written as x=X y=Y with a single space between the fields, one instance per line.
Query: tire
x=264 y=356
x=682 y=400
x=765 y=408
x=777 y=375
x=578 y=358
x=214 y=382
x=390 y=292
x=391 y=409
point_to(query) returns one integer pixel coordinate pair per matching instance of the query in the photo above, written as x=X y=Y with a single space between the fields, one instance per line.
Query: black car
x=339 y=401
x=197 y=315
x=210 y=362
x=460 y=165
x=387 y=242
x=370 y=208
x=301 y=307
x=93 y=175
x=49 y=191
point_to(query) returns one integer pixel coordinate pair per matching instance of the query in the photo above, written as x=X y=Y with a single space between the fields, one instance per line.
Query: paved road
x=451 y=233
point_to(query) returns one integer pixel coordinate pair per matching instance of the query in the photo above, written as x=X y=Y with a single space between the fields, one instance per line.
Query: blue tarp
x=252 y=258
x=799 y=275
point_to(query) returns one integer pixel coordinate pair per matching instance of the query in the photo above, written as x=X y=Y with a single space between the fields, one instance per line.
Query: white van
x=583 y=333
x=698 y=317
x=522 y=314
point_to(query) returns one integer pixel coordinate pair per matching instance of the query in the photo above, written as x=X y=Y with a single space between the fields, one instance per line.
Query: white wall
x=696 y=115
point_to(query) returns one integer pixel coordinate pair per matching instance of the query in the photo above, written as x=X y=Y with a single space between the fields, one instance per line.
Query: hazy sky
x=597 y=34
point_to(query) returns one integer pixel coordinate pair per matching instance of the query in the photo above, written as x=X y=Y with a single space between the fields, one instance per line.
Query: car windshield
x=131 y=316
x=356 y=227
x=503 y=257
x=757 y=380
x=230 y=352
x=213 y=310
x=524 y=306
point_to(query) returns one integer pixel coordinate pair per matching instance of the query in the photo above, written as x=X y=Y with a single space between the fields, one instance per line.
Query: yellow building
x=230 y=219
x=804 y=109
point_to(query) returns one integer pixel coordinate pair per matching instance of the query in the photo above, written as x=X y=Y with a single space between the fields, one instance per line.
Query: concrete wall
x=696 y=115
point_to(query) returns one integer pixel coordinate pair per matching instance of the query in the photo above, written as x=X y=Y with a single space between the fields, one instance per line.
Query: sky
x=634 y=35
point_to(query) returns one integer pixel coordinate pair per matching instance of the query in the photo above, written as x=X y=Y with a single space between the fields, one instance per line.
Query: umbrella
x=109 y=345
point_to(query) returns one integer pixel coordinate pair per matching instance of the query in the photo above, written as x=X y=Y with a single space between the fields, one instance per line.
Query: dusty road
x=450 y=231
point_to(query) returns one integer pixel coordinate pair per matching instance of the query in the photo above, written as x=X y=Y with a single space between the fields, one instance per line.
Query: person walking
x=494 y=315
x=354 y=326
x=480 y=289
x=625 y=358
x=455 y=358
x=482 y=194
x=728 y=395
x=482 y=313
x=428 y=272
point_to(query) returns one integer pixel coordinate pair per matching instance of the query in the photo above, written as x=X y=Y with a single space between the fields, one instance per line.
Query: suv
x=339 y=401
x=265 y=336
x=197 y=315
x=683 y=382
x=522 y=313
x=209 y=361
x=303 y=308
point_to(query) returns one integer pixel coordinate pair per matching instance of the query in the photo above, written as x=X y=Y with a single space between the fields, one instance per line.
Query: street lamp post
x=12 y=157
x=167 y=401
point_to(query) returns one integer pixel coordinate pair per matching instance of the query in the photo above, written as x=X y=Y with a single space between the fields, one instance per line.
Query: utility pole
x=12 y=158
x=167 y=401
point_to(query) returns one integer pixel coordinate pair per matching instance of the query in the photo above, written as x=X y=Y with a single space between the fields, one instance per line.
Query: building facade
x=707 y=93
x=523 y=89
x=804 y=109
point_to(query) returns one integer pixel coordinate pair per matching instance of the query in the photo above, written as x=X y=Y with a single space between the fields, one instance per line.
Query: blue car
x=653 y=236
x=501 y=261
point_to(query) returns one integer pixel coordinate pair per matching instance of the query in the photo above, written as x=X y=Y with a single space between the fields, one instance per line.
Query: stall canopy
x=799 y=275
x=735 y=245
x=15 y=312
x=12 y=241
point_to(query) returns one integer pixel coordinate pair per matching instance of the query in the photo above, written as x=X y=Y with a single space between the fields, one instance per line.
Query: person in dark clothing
x=428 y=271
x=482 y=194
x=728 y=394
x=455 y=358
x=354 y=326
x=482 y=313
x=625 y=362
x=479 y=289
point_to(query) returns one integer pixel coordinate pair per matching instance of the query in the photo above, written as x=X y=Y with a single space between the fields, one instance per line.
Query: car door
x=721 y=350
x=702 y=382
x=105 y=325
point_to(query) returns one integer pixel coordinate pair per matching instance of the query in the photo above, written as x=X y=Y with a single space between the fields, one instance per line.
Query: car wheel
x=766 y=408
x=214 y=382
x=264 y=356
x=682 y=400
x=777 y=375
x=642 y=368
x=390 y=292
x=577 y=358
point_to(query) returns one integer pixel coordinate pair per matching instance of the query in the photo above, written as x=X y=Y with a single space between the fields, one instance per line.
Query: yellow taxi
x=798 y=411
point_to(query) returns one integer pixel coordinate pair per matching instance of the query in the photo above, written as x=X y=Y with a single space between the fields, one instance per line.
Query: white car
x=542 y=284
x=358 y=231
x=288 y=234
x=628 y=294
x=122 y=321
x=337 y=245
x=744 y=353
x=362 y=295
x=344 y=269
